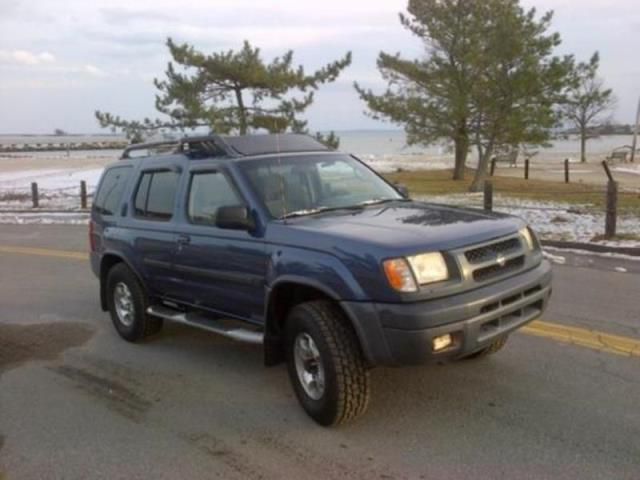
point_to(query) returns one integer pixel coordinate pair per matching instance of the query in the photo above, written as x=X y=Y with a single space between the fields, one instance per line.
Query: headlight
x=402 y=274
x=399 y=275
x=429 y=267
x=529 y=238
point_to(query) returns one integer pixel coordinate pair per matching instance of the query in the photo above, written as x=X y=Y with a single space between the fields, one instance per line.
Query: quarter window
x=209 y=191
x=111 y=188
x=156 y=195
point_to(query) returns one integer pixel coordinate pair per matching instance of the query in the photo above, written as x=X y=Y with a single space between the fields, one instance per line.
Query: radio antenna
x=282 y=186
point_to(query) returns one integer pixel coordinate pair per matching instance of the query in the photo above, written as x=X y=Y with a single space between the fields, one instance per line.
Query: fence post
x=34 y=195
x=526 y=169
x=83 y=194
x=488 y=196
x=607 y=170
x=566 y=170
x=612 y=206
x=493 y=165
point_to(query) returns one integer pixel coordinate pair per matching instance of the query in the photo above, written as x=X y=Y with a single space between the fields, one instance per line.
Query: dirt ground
x=590 y=173
x=22 y=343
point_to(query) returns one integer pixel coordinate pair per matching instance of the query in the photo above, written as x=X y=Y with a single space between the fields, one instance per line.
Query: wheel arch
x=282 y=296
x=107 y=262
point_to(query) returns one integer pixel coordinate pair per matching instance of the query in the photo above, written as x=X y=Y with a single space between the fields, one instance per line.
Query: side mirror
x=402 y=190
x=234 y=217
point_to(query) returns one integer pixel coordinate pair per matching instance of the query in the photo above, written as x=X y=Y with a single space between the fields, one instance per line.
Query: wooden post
x=634 y=143
x=34 y=195
x=612 y=204
x=607 y=170
x=83 y=194
x=526 y=169
x=493 y=166
x=488 y=196
x=566 y=170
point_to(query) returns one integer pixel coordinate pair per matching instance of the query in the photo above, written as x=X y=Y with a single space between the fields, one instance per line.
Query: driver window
x=208 y=192
x=338 y=178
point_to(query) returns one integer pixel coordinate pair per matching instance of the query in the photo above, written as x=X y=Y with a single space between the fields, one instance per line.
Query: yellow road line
x=593 y=339
x=44 y=252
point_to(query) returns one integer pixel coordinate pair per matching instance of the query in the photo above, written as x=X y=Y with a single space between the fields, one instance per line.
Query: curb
x=592 y=247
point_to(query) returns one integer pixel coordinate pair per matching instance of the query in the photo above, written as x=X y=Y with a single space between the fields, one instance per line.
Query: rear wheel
x=326 y=366
x=128 y=304
x=495 y=347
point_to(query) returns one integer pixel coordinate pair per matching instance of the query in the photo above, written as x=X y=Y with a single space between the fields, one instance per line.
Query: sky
x=60 y=60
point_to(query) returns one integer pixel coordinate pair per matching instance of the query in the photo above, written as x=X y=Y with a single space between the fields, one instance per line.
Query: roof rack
x=201 y=146
x=230 y=146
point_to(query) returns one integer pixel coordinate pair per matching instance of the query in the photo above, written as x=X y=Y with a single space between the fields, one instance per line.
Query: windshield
x=303 y=185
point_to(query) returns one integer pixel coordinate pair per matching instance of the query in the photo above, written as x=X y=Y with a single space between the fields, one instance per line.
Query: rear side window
x=156 y=195
x=111 y=188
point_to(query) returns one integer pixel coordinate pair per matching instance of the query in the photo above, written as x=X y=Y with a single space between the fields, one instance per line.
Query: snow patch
x=551 y=220
x=554 y=258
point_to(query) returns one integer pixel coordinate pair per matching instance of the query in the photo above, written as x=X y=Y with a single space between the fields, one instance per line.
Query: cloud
x=93 y=70
x=24 y=57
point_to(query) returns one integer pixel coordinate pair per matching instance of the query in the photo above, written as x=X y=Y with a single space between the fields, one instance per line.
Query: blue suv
x=277 y=240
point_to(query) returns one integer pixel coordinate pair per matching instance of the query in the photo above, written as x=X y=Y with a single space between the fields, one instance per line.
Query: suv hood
x=401 y=228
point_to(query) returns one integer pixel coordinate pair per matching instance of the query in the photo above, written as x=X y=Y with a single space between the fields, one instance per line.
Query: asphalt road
x=76 y=402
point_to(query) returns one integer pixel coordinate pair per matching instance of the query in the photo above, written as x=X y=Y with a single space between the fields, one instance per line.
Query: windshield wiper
x=359 y=206
x=378 y=201
x=313 y=211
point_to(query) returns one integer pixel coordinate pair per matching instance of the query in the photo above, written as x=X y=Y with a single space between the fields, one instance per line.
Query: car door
x=222 y=270
x=151 y=225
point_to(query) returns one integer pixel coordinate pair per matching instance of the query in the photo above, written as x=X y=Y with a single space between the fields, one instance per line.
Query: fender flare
x=103 y=276
x=273 y=352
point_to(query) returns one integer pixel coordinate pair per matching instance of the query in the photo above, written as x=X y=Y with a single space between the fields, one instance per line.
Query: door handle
x=184 y=239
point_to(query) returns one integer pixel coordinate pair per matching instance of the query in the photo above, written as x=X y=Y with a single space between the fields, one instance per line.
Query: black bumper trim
x=402 y=334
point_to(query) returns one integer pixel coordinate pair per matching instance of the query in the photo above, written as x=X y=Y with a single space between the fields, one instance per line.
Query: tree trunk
x=583 y=145
x=242 y=112
x=461 y=143
x=481 y=173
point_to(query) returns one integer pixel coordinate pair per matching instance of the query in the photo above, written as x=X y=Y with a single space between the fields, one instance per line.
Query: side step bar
x=241 y=334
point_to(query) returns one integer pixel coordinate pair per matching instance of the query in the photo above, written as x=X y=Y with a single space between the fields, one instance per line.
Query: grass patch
x=618 y=237
x=439 y=182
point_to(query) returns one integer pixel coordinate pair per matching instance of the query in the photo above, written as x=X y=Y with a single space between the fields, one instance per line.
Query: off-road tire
x=143 y=324
x=347 y=387
x=495 y=347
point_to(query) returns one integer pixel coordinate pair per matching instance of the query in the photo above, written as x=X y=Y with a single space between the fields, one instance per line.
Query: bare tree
x=587 y=102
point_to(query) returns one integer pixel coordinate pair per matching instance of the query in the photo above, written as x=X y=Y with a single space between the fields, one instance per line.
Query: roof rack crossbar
x=206 y=146
x=146 y=146
x=209 y=144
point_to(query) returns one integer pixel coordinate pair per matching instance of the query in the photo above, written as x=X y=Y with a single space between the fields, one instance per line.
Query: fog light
x=442 y=342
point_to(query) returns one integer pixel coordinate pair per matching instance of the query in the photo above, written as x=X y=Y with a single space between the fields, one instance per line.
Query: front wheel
x=326 y=366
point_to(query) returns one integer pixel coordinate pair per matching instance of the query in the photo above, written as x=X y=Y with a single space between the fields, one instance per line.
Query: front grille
x=491 y=251
x=497 y=270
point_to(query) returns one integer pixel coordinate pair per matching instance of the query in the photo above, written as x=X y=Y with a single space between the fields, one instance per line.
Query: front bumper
x=402 y=333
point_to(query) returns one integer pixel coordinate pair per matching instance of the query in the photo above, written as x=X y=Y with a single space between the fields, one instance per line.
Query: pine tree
x=488 y=78
x=232 y=92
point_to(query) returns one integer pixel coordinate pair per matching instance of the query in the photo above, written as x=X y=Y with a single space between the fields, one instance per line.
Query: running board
x=194 y=320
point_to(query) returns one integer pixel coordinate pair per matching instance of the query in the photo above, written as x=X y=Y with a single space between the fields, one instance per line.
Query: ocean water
x=384 y=150
x=393 y=142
